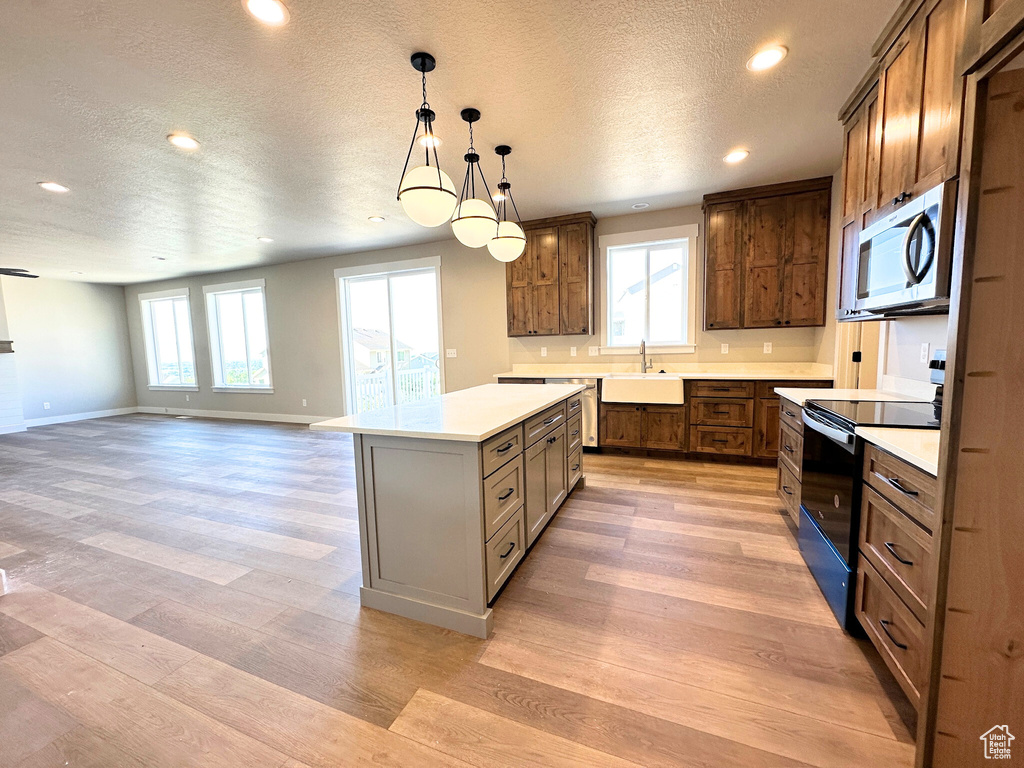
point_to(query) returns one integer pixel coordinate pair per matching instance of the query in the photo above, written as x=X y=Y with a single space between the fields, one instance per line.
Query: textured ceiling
x=304 y=129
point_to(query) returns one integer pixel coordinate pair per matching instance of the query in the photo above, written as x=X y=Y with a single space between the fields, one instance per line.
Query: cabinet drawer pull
x=721 y=413
x=895 y=483
x=574 y=405
x=550 y=421
x=788 y=448
x=512 y=545
x=720 y=389
x=720 y=441
x=575 y=432
x=507 y=493
x=790 y=414
x=787 y=490
x=885 y=628
x=551 y=440
x=505 y=449
x=575 y=467
x=892 y=551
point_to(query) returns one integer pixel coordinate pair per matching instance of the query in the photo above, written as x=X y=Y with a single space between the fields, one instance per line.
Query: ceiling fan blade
x=16 y=272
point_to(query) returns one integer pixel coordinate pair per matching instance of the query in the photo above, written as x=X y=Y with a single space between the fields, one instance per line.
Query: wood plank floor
x=185 y=593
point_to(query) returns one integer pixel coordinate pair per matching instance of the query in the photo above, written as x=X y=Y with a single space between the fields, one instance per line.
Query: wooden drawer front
x=733 y=441
x=574 y=433
x=503 y=495
x=895 y=632
x=517 y=380
x=791 y=449
x=899 y=549
x=767 y=388
x=788 y=489
x=575 y=469
x=792 y=415
x=722 y=413
x=504 y=551
x=910 y=489
x=574 y=406
x=500 y=449
x=542 y=423
x=722 y=389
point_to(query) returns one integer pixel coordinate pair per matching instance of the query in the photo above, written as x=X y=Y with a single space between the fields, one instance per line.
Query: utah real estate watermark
x=997 y=742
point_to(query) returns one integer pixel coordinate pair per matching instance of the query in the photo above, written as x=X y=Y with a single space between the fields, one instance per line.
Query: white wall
x=905 y=337
x=12 y=418
x=71 y=342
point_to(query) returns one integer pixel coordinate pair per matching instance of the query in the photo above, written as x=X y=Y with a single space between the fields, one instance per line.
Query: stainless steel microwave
x=904 y=260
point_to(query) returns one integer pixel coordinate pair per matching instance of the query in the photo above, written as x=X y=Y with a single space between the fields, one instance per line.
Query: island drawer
x=900 y=550
x=791 y=449
x=722 y=413
x=732 y=441
x=575 y=467
x=574 y=406
x=912 y=490
x=538 y=426
x=722 y=389
x=574 y=433
x=792 y=415
x=503 y=446
x=788 y=490
x=504 y=552
x=503 y=495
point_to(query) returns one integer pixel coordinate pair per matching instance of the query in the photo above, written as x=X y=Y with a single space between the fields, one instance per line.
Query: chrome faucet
x=645 y=365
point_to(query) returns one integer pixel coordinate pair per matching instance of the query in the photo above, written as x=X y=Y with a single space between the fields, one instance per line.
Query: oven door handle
x=833 y=433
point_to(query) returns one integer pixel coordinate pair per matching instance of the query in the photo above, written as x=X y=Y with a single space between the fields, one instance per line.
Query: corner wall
x=12 y=417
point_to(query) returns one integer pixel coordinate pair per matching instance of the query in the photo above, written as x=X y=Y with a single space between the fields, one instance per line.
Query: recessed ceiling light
x=640 y=206
x=736 y=156
x=430 y=141
x=52 y=186
x=273 y=13
x=377 y=219
x=265 y=239
x=183 y=141
x=767 y=58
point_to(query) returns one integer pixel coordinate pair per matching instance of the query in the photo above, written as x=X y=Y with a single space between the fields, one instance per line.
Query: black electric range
x=832 y=464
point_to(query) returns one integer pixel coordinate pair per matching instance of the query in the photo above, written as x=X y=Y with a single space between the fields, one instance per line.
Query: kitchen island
x=452 y=490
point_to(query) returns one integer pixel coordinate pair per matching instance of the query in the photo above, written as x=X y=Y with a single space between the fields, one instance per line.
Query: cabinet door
x=543 y=255
x=899 y=114
x=763 y=279
x=557 y=471
x=855 y=161
x=536 y=498
x=806 y=265
x=724 y=264
x=622 y=426
x=519 y=292
x=766 y=428
x=575 y=286
x=665 y=427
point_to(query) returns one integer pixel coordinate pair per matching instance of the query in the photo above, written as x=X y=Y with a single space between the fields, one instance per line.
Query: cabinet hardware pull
x=511 y=546
x=885 y=628
x=895 y=483
x=575 y=467
x=892 y=551
x=791 y=414
x=507 y=494
x=788 y=448
x=551 y=440
x=575 y=432
x=786 y=489
x=721 y=413
x=719 y=441
x=575 y=405
x=505 y=448
x=552 y=420
x=719 y=389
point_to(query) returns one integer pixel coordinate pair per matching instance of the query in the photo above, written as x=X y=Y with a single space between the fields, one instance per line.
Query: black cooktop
x=872 y=413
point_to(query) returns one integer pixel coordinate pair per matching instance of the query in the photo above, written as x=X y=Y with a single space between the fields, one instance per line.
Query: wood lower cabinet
x=766 y=431
x=622 y=425
x=654 y=427
x=550 y=288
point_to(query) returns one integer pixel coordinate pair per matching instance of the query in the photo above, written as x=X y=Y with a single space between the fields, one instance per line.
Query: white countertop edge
x=466 y=437
x=706 y=375
x=800 y=396
x=919 y=447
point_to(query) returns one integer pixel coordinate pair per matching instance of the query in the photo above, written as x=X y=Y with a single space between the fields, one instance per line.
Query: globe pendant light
x=509 y=240
x=474 y=222
x=426 y=193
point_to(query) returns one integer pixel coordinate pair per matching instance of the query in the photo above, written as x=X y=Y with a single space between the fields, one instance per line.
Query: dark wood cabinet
x=655 y=427
x=767 y=256
x=549 y=289
x=766 y=431
x=621 y=425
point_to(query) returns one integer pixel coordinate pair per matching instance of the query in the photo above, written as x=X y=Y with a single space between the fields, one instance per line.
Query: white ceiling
x=304 y=129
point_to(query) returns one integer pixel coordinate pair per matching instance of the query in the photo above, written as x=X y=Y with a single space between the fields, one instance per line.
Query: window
x=239 y=349
x=649 y=290
x=167 y=326
x=391 y=333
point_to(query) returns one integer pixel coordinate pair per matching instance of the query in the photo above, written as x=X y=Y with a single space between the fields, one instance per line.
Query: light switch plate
x=450 y=353
x=725 y=349
x=543 y=351
x=572 y=351
x=926 y=349
x=595 y=351
x=46 y=406
x=303 y=402
x=767 y=347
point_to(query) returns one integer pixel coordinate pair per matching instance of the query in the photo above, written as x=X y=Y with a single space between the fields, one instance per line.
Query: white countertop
x=800 y=396
x=718 y=371
x=919 y=447
x=469 y=415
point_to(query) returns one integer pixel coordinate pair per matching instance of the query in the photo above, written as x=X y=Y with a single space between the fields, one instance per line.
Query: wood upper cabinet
x=767 y=256
x=550 y=288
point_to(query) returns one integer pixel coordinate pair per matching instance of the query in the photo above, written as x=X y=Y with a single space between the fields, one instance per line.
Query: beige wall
x=302 y=314
x=904 y=339
x=72 y=346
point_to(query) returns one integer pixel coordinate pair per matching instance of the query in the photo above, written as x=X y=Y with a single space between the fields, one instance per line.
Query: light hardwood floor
x=185 y=593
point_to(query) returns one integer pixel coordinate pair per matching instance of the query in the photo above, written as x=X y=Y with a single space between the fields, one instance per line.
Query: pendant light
x=426 y=193
x=474 y=222
x=509 y=240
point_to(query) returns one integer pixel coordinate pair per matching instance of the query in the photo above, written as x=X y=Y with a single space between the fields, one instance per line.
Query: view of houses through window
x=238 y=336
x=168 y=337
x=648 y=293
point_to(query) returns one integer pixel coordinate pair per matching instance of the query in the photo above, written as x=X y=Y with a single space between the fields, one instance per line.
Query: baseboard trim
x=286 y=418
x=10 y=429
x=47 y=420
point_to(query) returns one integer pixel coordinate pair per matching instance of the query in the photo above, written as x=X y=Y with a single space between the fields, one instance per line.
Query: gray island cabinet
x=454 y=489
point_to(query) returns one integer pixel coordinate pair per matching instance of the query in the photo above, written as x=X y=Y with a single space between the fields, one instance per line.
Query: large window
x=649 y=290
x=239 y=348
x=391 y=333
x=167 y=326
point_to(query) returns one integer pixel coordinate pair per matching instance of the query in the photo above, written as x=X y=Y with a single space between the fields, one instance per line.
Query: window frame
x=647 y=238
x=150 y=343
x=210 y=293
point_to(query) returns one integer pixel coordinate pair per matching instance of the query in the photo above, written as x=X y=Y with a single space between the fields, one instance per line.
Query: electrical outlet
x=188 y=398
x=572 y=351
x=725 y=349
x=767 y=347
x=450 y=353
x=926 y=349
x=594 y=351
x=543 y=351
x=303 y=402
x=46 y=406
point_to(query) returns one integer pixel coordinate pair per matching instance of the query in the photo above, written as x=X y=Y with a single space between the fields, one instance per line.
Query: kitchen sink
x=655 y=388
